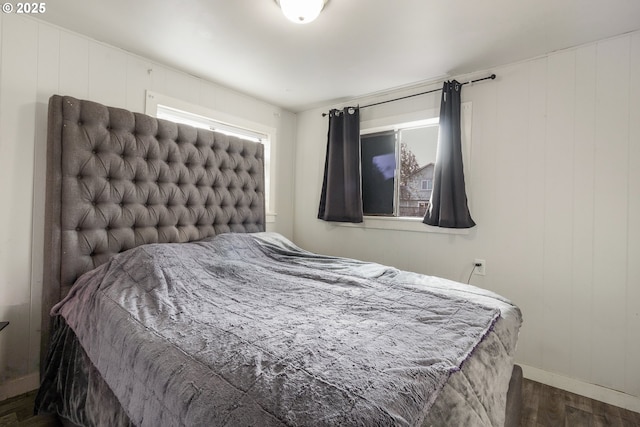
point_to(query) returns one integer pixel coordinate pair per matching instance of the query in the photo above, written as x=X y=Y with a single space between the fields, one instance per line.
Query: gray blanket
x=250 y=330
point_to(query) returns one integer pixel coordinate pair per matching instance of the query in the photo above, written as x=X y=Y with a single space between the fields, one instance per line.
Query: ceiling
x=355 y=47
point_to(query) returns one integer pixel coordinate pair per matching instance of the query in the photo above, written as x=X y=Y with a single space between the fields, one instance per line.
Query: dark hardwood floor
x=544 y=406
x=18 y=411
x=548 y=406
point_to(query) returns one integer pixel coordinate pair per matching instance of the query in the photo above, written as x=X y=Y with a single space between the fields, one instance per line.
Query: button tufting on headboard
x=117 y=179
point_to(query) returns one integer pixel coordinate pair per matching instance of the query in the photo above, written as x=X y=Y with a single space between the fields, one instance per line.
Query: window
x=406 y=122
x=397 y=169
x=167 y=108
x=180 y=116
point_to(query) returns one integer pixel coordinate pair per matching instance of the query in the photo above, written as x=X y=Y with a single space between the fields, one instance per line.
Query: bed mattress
x=248 y=329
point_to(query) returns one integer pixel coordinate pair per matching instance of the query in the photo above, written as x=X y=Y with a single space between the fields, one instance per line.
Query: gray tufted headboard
x=117 y=179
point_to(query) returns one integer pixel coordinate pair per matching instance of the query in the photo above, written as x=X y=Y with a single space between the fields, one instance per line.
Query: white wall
x=38 y=60
x=555 y=191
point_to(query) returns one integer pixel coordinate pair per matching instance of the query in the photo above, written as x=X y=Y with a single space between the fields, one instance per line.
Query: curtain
x=448 y=206
x=341 y=197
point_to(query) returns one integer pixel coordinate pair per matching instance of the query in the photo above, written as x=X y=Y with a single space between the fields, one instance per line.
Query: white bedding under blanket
x=247 y=329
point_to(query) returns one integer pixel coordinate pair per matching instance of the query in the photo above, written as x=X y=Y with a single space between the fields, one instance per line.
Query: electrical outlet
x=480 y=266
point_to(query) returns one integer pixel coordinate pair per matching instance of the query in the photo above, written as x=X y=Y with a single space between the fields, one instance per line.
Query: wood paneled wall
x=555 y=191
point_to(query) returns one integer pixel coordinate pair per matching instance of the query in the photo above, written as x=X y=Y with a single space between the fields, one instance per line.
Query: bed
x=165 y=302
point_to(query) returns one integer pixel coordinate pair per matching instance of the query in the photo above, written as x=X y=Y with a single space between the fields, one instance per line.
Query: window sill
x=402 y=224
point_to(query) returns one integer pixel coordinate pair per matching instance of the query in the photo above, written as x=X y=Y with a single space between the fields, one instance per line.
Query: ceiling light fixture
x=301 y=11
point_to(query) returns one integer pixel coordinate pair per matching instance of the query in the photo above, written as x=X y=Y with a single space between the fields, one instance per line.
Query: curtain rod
x=491 y=77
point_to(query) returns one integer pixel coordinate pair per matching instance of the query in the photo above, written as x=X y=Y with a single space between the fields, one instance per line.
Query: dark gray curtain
x=448 y=207
x=341 y=198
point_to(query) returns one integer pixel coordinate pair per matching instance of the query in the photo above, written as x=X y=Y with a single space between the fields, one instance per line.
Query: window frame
x=397 y=130
x=408 y=223
x=154 y=100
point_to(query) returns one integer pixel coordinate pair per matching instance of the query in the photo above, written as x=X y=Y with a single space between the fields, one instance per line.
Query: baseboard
x=19 y=386
x=592 y=391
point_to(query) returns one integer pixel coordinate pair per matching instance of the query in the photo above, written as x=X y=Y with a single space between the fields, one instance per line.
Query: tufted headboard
x=117 y=180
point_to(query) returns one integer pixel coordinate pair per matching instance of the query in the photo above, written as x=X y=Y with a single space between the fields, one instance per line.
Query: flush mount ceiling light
x=301 y=11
